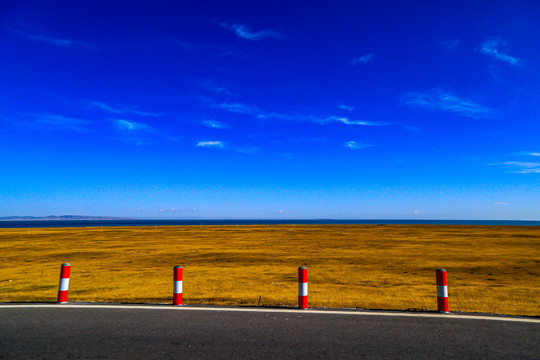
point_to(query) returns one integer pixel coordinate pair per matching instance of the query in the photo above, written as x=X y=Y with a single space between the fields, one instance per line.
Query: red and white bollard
x=302 y=288
x=442 y=291
x=177 y=288
x=64 y=283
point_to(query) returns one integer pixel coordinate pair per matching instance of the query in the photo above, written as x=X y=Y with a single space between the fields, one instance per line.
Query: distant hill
x=61 y=217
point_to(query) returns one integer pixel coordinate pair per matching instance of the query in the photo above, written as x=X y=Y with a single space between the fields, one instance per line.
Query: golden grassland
x=491 y=269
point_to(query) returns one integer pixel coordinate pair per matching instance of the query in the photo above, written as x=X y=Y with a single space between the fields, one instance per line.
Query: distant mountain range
x=61 y=217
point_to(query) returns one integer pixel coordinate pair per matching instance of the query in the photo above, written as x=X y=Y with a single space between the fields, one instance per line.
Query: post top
x=178 y=267
x=441 y=269
x=66 y=264
x=302 y=268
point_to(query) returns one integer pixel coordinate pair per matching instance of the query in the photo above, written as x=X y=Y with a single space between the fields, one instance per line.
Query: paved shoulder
x=136 y=333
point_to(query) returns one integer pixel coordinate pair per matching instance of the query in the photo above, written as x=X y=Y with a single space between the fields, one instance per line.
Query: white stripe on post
x=63 y=287
x=178 y=285
x=442 y=291
x=302 y=288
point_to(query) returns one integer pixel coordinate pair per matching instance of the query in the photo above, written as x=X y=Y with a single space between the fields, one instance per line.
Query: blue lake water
x=131 y=222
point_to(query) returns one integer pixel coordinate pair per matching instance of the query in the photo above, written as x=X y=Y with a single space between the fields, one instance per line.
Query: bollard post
x=302 y=288
x=177 y=288
x=64 y=283
x=442 y=291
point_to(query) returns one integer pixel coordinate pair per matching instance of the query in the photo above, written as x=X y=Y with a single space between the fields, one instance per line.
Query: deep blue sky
x=270 y=109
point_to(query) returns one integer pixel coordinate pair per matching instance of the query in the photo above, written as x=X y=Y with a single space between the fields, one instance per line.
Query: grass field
x=491 y=269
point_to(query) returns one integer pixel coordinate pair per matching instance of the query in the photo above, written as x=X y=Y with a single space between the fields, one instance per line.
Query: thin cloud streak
x=103 y=106
x=62 y=122
x=246 y=33
x=239 y=108
x=210 y=85
x=59 y=42
x=132 y=126
x=523 y=167
x=357 y=122
x=243 y=109
x=215 y=124
x=129 y=111
x=353 y=145
x=363 y=59
x=438 y=100
x=211 y=144
x=528 y=153
x=492 y=46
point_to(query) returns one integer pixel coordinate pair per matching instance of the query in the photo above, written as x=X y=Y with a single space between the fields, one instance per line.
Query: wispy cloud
x=528 y=153
x=353 y=145
x=345 y=107
x=449 y=44
x=60 y=122
x=239 y=108
x=346 y=121
x=246 y=33
x=495 y=46
x=522 y=167
x=55 y=41
x=215 y=124
x=210 y=85
x=121 y=110
x=439 y=100
x=103 y=106
x=363 y=59
x=211 y=144
x=132 y=126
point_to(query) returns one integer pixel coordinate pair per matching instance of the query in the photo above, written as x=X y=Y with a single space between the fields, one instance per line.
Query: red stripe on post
x=178 y=279
x=302 y=288
x=442 y=291
x=63 y=287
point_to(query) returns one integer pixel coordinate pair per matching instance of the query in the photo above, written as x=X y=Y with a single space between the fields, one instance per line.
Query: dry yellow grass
x=493 y=269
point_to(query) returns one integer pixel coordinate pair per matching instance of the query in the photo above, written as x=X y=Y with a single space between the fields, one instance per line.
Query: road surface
x=166 y=332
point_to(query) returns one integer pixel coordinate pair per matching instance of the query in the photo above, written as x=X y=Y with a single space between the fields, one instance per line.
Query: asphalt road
x=69 y=332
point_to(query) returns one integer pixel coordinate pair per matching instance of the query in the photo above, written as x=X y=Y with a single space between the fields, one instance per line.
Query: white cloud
x=210 y=85
x=494 y=46
x=124 y=110
x=132 y=126
x=356 y=146
x=529 y=153
x=345 y=107
x=239 y=108
x=246 y=33
x=62 y=122
x=439 y=100
x=215 y=124
x=214 y=144
x=522 y=167
x=346 y=121
x=363 y=59
x=59 y=42
x=500 y=203
x=103 y=106
x=321 y=119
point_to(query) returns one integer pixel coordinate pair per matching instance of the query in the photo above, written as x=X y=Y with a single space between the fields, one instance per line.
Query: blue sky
x=349 y=109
